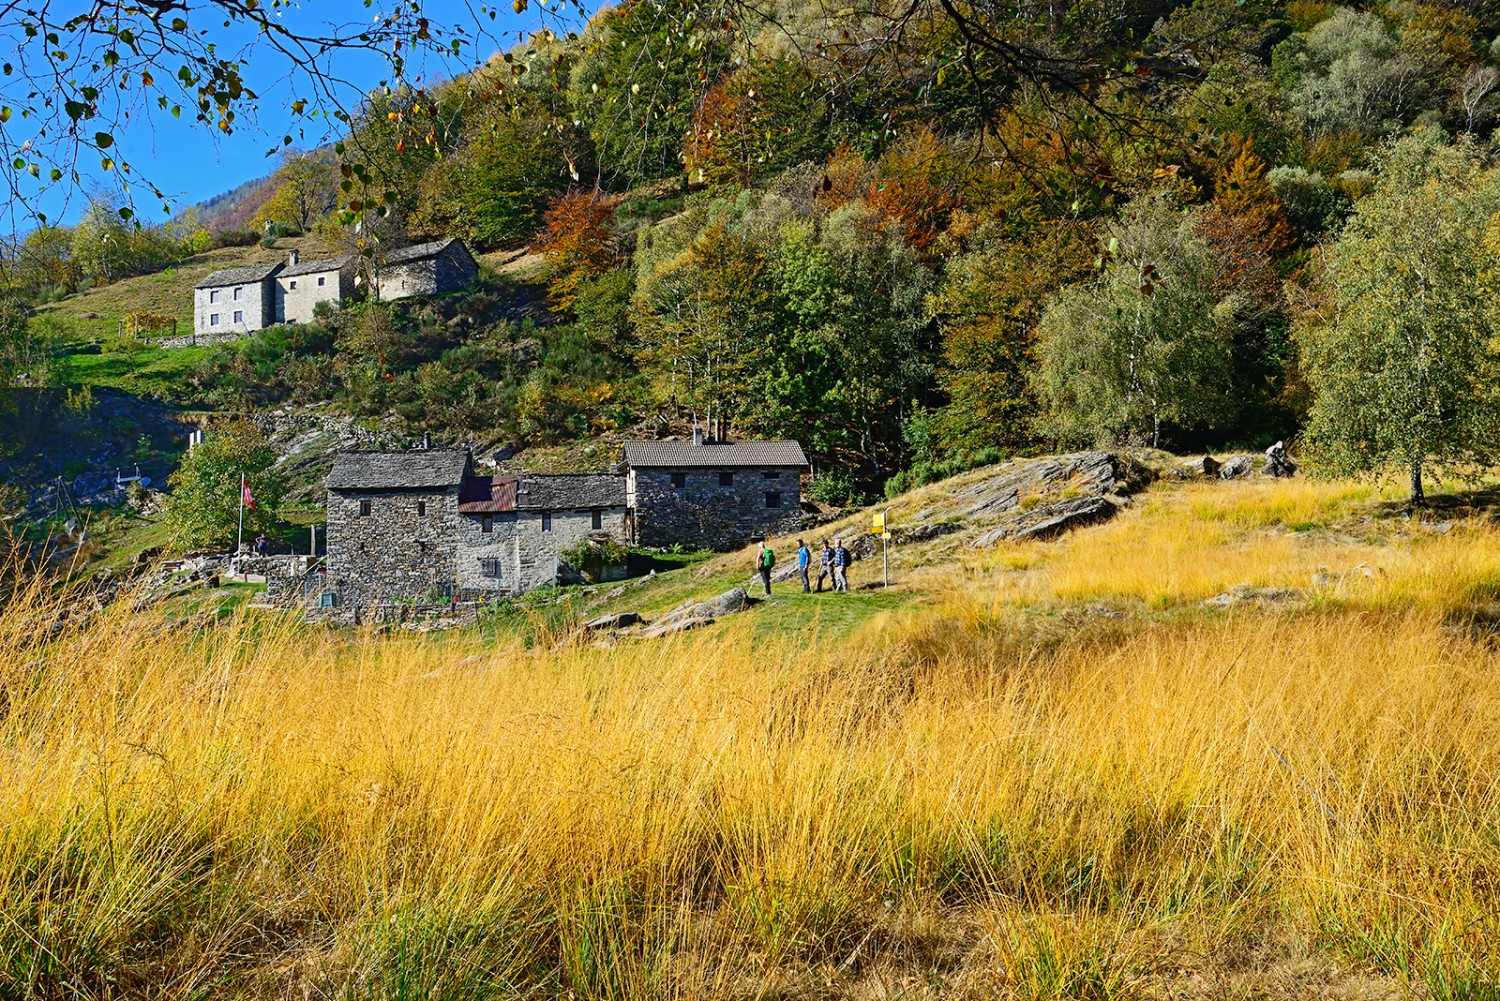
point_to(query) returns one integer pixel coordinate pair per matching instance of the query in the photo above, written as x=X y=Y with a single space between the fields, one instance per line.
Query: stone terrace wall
x=394 y=552
x=705 y=514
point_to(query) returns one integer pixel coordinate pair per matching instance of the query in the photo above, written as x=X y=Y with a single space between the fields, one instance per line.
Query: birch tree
x=1144 y=345
x=1404 y=369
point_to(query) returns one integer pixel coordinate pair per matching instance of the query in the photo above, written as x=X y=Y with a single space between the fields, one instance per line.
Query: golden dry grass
x=989 y=796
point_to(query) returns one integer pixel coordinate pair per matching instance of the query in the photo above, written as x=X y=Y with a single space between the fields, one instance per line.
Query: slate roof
x=418 y=251
x=312 y=267
x=487 y=495
x=415 y=470
x=713 y=454
x=247 y=275
x=570 y=492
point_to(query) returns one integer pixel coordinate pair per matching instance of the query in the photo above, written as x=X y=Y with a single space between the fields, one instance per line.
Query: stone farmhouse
x=238 y=301
x=403 y=524
x=424 y=269
x=712 y=494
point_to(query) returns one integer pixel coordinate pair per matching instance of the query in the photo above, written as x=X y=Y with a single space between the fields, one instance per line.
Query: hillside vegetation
x=1189 y=232
x=1051 y=772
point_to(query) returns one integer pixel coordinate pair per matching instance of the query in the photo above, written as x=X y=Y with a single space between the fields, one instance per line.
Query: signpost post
x=878 y=526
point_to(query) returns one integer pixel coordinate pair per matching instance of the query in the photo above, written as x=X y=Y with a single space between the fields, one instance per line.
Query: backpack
x=767 y=558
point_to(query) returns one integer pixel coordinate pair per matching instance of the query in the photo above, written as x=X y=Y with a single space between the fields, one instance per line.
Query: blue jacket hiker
x=804 y=559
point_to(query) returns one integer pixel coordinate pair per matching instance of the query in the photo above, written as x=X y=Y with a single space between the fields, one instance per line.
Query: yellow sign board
x=877 y=525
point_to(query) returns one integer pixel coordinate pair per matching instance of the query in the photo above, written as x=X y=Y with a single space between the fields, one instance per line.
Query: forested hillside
x=1182 y=224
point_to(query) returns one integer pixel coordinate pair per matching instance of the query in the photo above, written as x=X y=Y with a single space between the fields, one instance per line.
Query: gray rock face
x=1235 y=469
x=1064 y=516
x=1047 y=521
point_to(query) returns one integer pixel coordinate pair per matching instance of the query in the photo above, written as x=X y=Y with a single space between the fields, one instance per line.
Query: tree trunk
x=1418 y=497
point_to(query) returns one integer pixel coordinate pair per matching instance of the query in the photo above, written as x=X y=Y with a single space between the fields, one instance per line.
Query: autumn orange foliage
x=576 y=242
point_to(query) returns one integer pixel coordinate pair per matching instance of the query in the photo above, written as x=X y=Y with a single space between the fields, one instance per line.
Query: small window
x=213 y=295
x=323 y=280
x=237 y=293
x=239 y=316
x=490 y=568
x=679 y=480
x=726 y=479
x=546 y=521
x=773 y=499
x=213 y=319
x=421 y=509
x=598 y=519
x=771 y=474
x=364 y=508
x=293 y=284
x=487 y=524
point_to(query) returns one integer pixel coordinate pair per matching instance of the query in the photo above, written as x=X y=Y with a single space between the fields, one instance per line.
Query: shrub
x=590 y=557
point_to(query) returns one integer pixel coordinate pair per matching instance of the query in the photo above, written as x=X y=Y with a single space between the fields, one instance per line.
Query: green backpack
x=767 y=558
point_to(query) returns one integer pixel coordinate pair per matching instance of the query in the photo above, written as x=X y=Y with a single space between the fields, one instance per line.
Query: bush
x=234 y=238
x=590 y=557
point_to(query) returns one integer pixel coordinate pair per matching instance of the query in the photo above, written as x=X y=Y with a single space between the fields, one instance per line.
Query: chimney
x=697 y=434
x=426 y=440
x=292 y=257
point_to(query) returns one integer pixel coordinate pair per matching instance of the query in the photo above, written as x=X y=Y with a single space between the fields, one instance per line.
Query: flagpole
x=239 y=541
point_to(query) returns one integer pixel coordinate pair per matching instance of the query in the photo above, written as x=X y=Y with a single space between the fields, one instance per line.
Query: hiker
x=841 y=561
x=261 y=545
x=827 y=571
x=804 y=558
x=764 y=562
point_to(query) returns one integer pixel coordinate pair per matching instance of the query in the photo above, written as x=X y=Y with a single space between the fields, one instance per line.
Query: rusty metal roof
x=487 y=495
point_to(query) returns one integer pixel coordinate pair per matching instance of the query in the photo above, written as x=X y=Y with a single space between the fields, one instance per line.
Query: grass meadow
x=1052 y=774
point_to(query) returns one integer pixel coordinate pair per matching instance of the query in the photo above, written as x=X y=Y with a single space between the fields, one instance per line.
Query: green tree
x=1145 y=344
x=307 y=187
x=204 y=505
x=1404 y=371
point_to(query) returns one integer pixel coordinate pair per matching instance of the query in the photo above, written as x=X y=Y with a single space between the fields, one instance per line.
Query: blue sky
x=190 y=162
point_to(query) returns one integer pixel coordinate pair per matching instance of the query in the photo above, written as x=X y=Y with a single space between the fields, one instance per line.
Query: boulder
x=734 y=600
x=682 y=625
x=1235 y=469
x=619 y=620
x=1244 y=593
x=1278 y=463
x=1207 y=466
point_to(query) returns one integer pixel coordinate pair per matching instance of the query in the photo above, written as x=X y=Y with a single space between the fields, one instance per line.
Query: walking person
x=841 y=561
x=804 y=559
x=826 y=572
x=764 y=561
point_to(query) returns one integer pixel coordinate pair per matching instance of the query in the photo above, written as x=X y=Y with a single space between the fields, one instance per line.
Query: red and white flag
x=245 y=496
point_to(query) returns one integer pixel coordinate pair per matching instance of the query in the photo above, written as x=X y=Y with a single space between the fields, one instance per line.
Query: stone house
x=424 y=269
x=712 y=494
x=236 y=301
x=402 y=524
x=393 y=523
x=512 y=530
x=301 y=285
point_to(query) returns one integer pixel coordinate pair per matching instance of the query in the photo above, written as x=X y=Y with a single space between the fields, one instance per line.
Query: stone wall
x=393 y=552
x=450 y=270
x=704 y=513
x=296 y=305
x=256 y=305
x=528 y=555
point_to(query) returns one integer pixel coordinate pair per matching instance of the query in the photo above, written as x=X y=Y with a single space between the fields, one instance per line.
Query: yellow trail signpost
x=879 y=526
